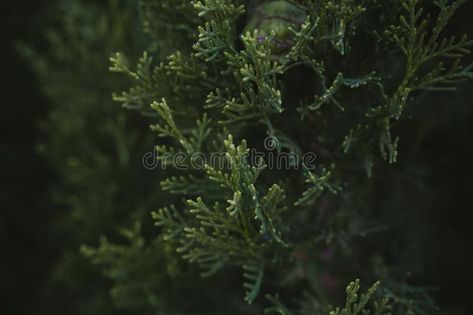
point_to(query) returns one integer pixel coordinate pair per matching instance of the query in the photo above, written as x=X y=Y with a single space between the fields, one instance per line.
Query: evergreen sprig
x=255 y=77
x=218 y=34
x=240 y=233
x=356 y=304
x=176 y=80
x=421 y=42
x=336 y=18
x=318 y=184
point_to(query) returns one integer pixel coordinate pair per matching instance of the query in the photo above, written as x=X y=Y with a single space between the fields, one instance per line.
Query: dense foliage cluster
x=337 y=79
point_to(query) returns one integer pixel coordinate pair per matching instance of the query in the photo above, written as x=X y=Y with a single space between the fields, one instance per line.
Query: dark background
x=28 y=248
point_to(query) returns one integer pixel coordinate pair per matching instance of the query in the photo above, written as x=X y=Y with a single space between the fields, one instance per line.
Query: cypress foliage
x=325 y=90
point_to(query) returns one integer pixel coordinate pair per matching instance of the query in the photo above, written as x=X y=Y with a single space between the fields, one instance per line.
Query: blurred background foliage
x=71 y=174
